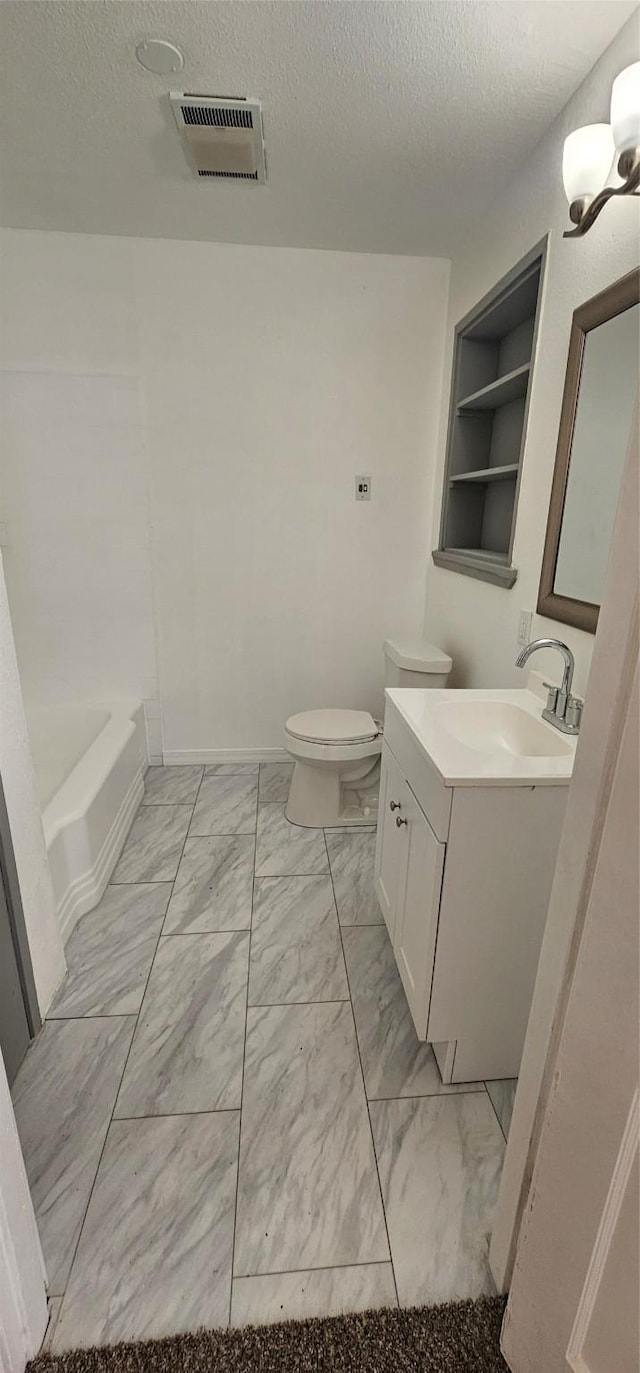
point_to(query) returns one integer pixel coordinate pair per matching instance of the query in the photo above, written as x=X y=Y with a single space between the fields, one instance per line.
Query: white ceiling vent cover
x=222 y=137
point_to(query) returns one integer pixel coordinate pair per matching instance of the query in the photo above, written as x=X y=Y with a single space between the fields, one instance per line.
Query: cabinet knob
x=400 y=821
x=394 y=805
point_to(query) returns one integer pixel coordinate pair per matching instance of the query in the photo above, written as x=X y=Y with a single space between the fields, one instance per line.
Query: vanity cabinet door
x=390 y=844
x=416 y=926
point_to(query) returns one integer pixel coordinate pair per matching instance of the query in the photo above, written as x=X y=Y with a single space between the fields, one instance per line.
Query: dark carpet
x=462 y=1337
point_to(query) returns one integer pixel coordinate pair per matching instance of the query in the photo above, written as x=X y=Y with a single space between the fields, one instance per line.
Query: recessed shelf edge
x=477 y=564
x=512 y=386
x=486 y=474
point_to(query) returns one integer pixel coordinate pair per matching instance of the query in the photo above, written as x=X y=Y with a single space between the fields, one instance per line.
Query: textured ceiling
x=386 y=123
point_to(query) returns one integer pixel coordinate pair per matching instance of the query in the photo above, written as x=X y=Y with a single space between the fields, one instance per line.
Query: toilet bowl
x=337 y=752
x=334 y=751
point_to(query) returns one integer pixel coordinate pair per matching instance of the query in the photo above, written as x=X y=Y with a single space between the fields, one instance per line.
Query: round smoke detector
x=157 y=55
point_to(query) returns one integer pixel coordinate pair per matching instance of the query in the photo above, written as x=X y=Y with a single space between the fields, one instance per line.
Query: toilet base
x=322 y=798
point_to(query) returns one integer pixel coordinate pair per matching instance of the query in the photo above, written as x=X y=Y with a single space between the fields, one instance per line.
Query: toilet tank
x=415 y=663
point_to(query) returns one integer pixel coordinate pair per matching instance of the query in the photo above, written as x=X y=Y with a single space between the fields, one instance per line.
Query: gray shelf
x=511 y=301
x=500 y=392
x=477 y=563
x=488 y=474
x=493 y=359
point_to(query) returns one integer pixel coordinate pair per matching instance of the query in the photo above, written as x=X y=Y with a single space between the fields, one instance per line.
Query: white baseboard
x=85 y=891
x=226 y=755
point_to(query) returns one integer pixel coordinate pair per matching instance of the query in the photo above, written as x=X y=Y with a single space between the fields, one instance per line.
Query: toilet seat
x=340 y=727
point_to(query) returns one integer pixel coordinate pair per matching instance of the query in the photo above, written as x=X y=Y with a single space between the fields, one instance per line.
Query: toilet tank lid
x=417 y=656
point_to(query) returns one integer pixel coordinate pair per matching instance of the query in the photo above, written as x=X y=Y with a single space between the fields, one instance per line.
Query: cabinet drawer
x=424 y=781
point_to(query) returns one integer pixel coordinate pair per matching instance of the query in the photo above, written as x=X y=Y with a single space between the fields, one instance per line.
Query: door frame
x=608 y=693
x=17 y=926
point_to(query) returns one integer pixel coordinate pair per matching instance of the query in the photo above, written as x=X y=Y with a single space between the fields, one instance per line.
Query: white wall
x=268 y=378
x=73 y=481
x=19 y=783
x=475 y=622
x=77 y=536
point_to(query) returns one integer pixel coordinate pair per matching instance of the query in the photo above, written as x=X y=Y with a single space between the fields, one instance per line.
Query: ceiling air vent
x=222 y=137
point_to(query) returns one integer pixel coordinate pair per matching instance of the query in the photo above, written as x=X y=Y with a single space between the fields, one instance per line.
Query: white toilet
x=337 y=752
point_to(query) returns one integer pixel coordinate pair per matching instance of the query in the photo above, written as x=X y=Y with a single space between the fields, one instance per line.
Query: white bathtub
x=90 y=763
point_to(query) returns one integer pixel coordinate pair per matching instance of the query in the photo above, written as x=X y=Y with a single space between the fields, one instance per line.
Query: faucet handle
x=552 y=696
x=573 y=712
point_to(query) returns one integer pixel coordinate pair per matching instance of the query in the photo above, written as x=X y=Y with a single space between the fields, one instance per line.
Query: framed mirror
x=600 y=390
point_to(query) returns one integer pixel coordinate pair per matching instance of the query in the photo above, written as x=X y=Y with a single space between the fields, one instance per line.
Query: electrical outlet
x=524 y=627
x=363 y=488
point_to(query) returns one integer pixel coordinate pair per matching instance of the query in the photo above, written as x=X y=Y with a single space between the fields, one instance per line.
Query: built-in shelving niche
x=493 y=360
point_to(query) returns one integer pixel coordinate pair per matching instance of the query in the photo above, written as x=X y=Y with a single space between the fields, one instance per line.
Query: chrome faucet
x=562 y=709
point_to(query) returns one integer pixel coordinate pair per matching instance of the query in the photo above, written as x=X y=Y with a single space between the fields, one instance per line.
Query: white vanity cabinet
x=463 y=876
x=391 y=843
x=410 y=861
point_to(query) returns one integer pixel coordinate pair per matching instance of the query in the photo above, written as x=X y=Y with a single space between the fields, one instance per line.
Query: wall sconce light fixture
x=589 y=155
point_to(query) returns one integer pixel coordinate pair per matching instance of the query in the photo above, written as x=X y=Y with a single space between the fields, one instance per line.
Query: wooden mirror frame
x=601 y=308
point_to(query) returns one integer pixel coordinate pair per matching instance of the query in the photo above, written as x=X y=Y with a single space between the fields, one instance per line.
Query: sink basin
x=501 y=726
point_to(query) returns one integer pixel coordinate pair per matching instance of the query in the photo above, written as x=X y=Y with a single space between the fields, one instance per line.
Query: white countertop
x=492 y=761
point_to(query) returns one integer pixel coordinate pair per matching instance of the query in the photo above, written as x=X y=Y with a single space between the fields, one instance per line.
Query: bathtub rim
x=83 y=848
x=82 y=784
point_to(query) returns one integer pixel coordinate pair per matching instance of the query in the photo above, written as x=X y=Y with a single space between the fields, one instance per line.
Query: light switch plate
x=524 y=627
x=363 y=488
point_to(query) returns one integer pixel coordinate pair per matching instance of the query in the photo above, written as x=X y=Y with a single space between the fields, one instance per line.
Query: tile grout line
x=244 y=1054
x=321 y=1268
x=430 y=1096
x=195 y=934
x=317 y=1001
x=364 y=1085
x=95 y=1015
x=152 y=882
x=177 y=1115
x=124 y=1069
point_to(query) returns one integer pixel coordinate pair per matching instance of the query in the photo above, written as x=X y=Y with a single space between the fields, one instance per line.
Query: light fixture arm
x=584 y=213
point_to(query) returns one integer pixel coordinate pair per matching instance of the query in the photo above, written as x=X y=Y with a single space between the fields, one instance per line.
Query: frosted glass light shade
x=625 y=108
x=586 y=161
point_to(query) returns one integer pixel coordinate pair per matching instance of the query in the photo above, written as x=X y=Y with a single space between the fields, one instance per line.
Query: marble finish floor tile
x=275 y=780
x=158 y=1236
x=394 y=1061
x=54 y=1311
x=308 y=1192
x=503 y=1094
x=296 y=950
x=63 y=1097
x=440 y=1160
x=352 y=859
x=213 y=890
x=188 y=1046
x=226 y=805
x=314 y=1292
x=152 y=851
x=110 y=952
x=171 y=786
x=286 y=850
x=232 y=769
